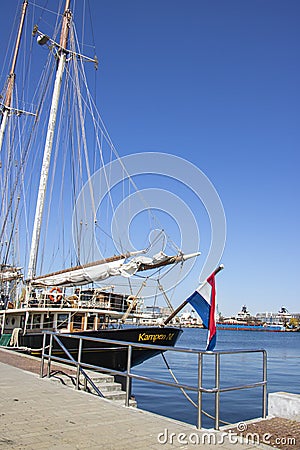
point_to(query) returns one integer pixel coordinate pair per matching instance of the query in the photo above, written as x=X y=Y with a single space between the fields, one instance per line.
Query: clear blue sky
x=215 y=82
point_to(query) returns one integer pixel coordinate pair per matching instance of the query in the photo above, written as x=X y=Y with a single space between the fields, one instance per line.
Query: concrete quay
x=285 y=404
x=39 y=414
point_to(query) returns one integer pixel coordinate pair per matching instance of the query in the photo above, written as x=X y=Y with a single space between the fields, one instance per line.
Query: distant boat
x=249 y=327
x=243 y=321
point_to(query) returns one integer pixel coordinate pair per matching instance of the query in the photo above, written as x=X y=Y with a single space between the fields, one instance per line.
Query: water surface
x=283 y=350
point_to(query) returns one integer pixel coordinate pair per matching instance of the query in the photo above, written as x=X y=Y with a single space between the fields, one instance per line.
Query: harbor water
x=283 y=350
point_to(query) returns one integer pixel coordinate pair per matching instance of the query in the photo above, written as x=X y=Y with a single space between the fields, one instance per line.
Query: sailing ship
x=76 y=298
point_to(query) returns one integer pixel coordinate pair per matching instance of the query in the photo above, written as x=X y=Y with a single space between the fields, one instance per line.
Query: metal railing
x=199 y=389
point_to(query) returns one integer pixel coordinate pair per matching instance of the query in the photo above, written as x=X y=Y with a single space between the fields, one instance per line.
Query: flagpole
x=183 y=304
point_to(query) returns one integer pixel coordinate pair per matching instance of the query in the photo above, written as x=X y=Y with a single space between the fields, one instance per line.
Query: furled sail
x=9 y=273
x=79 y=275
x=103 y=269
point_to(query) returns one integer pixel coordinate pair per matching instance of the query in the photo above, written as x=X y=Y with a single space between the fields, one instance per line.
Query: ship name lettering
x=152 y=337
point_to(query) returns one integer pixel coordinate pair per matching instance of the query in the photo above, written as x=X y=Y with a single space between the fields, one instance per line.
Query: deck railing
x=200 y=389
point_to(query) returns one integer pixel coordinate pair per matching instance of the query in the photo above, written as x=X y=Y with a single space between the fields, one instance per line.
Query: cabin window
x=48 y=321
x=36 y=321
x=78 y=323
x=86 y=296
x=62 y=321
x=117 y=302
x=102 y=322
x=90 y=322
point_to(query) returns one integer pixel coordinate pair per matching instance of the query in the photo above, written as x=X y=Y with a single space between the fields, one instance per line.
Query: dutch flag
x=203 y=300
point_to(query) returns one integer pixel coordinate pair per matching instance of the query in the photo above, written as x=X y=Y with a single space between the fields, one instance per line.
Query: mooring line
x=186 y=395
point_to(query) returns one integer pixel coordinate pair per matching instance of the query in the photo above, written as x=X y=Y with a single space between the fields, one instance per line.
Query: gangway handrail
x=80 y=370
x=200 y=389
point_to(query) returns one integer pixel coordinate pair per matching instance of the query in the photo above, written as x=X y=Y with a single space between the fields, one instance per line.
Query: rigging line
x=83 y=25
x=149 y=208
x=50 y=195
x=64 y=184
x=26 y=184
x=130 y=286
x=12 y=232
x=80 y=102
x=155 y=240
x=79 y=99
x=28 y=60
x=51 y=189
x=91 y=23
x=75 y=186
x=106 y=176
x=155 y=298
x=77 y=180
x=14 y=188
x=168 y=301
x=9 y=162
x=45 y=9
x=99 y=144
x=32 y=134
x=101 y=147
x=22 y=193
x=130 y=179
x=77 y=177
x=165 y=273
x=89 y=251
x=56 y=28
x=175 y=284
x=8 y=209
x=10 y=43
x=58 y=143
x=104 y=232
x=14 y=227
x=187 y=395
x=109 y=141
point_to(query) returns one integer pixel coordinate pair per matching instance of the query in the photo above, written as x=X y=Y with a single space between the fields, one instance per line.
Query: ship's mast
x=11 y=77
x=62 y=53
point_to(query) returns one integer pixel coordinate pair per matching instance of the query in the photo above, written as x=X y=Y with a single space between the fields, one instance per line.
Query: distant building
x=153 y=310
x=190 y=319
x=153 y=315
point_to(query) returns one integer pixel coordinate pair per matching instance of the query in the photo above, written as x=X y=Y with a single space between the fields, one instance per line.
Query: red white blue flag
x=203 y=300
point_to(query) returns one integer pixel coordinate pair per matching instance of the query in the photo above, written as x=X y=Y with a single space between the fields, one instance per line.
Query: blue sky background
x=215 y=82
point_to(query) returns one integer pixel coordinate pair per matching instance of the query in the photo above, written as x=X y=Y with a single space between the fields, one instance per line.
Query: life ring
x=56 y=298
